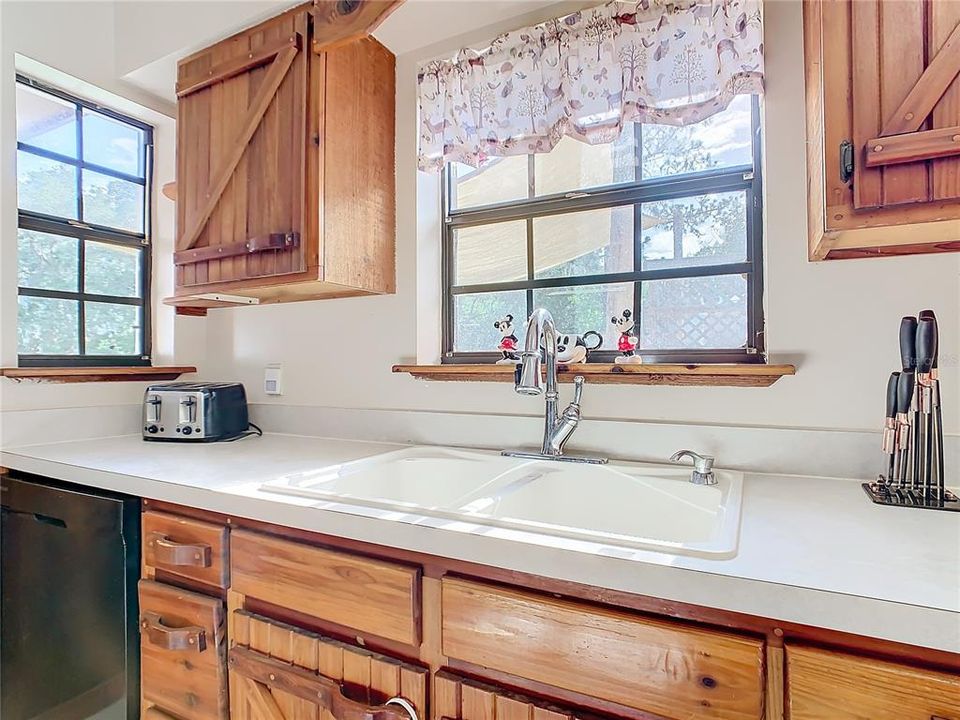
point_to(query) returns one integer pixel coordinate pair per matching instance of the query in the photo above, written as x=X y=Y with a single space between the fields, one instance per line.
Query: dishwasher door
x=69 y=563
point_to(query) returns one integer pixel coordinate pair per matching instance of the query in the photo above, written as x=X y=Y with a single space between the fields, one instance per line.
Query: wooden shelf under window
x=730 y=375
x=96 y=374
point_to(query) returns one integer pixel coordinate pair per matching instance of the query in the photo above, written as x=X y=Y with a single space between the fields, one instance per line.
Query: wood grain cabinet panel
x=280 y=672
x=651 y=665
x=459 y=698
x=182 y=653
x=285 y=162
x=185 y=547
x=828 y=685
x=371 y=596
x=883 y=126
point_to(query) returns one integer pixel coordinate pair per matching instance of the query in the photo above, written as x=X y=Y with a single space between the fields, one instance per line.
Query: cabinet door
x=906 y=101
x=459 y=698
x=241 y=156
x=826 y=685
x=280 y=672
x=182 y=653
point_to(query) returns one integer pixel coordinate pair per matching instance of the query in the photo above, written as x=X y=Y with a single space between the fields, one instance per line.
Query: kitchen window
x=83 y=240
x=665 y=222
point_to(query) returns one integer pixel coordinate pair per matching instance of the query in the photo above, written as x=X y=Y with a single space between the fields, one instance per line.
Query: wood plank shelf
x=728 y=375
x=96 y=374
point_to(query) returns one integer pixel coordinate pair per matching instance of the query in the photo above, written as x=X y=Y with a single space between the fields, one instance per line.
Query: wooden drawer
x=656 y=666
x=371 y=596
x=827 y=685
x=305 y=675
x=458 y=698
x=182 y=653
x=189 y=548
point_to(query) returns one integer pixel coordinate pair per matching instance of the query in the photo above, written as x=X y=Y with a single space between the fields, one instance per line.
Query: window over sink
x=83 y=237
x=665 y=222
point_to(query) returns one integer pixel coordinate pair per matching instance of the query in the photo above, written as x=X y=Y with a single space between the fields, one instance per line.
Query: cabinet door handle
x=169 y=552
x=161 y=635
x=310 y=686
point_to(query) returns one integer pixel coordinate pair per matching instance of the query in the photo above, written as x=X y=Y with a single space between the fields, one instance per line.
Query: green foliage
x=47 y=261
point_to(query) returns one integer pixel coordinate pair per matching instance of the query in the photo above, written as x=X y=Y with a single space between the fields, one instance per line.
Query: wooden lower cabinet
x=319 y=628
x=651 y=665
x=460 y=698
x=829 y=685
x=281 y=672
x=182 y=654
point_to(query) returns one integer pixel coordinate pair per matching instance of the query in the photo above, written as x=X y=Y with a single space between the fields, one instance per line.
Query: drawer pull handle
x=169 y=552
x=264 y=670
x=163 y=636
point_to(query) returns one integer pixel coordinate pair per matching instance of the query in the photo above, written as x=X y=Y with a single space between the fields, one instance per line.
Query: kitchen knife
x=937 y=412
x=890 y=426
x=926 y=352
x=908 y=360
x=904 y=399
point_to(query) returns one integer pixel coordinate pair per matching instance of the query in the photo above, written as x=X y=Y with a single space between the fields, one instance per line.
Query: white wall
x=71 y=45
x=836 y=321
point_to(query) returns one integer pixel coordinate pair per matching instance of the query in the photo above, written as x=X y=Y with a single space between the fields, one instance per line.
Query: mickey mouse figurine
x=508 y=341
x=627 y=343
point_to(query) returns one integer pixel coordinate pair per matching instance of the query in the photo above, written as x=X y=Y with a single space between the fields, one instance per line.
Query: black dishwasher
x=69 y=563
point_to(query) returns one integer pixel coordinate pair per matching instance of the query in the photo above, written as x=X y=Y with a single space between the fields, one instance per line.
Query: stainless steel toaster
x=195 y=411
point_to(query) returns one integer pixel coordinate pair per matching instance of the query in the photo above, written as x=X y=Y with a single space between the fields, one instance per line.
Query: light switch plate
x=272 y=379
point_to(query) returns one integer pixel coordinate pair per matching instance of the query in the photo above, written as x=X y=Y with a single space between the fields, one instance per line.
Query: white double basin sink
x=620 y=505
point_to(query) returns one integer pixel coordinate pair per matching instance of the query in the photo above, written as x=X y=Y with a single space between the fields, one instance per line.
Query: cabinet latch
x=846 y=161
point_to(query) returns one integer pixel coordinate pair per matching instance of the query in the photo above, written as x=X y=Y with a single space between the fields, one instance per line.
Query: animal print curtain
x=586 y=74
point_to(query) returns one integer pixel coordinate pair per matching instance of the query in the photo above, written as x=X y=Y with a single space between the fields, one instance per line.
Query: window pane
x=111 y=202
x=722 y=140
x=701 y=230
x=705 y=312
x=46 y=186
x=584 y=243
x=46 y=326
x=577 y=310
x=490 y=253
x=475 y=314
x=499 y=180
x=112 y=270
x=112 y=329
x=46 y=262
x=45 y=121
x=112 y=144
x=573 y=165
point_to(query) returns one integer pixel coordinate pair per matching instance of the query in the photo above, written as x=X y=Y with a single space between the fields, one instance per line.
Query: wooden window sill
x=95 y=374
x=730 y=375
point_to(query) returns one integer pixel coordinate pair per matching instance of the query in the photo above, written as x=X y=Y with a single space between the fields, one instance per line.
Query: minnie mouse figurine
x=508 y=341
x=627 y=343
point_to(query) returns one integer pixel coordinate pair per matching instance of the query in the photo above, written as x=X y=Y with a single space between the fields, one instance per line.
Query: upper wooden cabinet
x=883 y=126
x=285 y=161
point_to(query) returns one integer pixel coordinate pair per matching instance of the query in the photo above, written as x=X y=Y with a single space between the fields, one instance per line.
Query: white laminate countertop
x=814 y=551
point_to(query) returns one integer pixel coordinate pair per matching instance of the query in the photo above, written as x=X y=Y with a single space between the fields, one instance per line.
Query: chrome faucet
x=558 y=427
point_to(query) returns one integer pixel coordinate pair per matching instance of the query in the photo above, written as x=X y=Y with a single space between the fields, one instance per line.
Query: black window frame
x=745 y=178
x=83 y=231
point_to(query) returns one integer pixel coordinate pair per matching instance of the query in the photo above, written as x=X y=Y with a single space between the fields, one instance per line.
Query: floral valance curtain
x=586 y=74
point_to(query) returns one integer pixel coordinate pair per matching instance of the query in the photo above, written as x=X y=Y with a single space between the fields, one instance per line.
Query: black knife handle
x=926 y=345
x=908 y=343
x=892 y=394
x=928 y=315
x=904 y=392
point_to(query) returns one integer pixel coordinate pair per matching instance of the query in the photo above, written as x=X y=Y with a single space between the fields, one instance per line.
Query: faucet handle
x=702 y=466
x=577 y=389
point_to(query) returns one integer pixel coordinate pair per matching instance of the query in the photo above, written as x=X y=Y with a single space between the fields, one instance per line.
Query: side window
x=83 y=240
x=663 y=223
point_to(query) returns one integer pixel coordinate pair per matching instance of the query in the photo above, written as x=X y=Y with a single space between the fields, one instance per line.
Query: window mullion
x=79 y=178
x=81 y=286
x=638 y=234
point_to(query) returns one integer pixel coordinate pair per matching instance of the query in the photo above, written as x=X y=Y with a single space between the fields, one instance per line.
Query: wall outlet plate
x=272 y=379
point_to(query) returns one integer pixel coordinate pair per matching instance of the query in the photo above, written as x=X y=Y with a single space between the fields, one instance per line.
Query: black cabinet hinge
x=846 y=161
